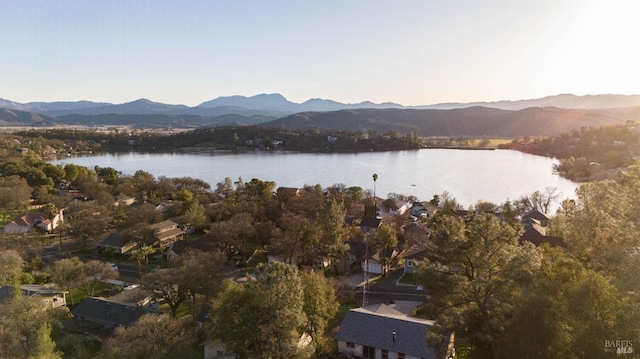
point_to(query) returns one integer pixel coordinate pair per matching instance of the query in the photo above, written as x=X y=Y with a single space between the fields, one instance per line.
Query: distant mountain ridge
x=276 y=105
x=566 y=101
x=466 y=122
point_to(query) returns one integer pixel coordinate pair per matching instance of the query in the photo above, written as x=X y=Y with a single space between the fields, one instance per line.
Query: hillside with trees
x=464 y=122
x=589 y=153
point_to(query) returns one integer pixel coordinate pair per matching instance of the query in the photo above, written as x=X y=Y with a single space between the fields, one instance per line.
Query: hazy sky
x=409 y=52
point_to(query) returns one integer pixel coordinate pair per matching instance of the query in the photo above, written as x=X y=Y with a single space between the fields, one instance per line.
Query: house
x=283 y=194
x=166 y=232
x=51 y=298
x=107 y=313
x=542 y=218
x=125 y=201
x=423 y=210
x=534 y=224
x=379 y=331
x=164 y=207
x=133 y=295
x=118 y=243
x=368 y=224
x=417 y=252
x=24 y=223
x=215 y=348
x=379 y=262
x=394 y=207
x=350 y=260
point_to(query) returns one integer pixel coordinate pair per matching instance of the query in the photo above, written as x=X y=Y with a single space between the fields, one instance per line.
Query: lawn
x=103 y=289
x=7 y=216
x=409 y=278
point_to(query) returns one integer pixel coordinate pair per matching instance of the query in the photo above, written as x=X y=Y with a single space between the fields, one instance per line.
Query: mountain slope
x=23 y=118
x=566 y=101
x=473 y=121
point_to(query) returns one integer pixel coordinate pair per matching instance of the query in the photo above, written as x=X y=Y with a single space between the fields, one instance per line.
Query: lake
x=468 y=175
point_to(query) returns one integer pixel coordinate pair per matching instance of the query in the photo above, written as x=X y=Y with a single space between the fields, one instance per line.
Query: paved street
x=385 y=290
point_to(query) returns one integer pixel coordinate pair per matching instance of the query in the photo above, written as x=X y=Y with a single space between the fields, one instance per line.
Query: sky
x=409 y=52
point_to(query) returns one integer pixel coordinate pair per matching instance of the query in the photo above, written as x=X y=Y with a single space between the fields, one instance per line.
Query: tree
x=138 y=255
x=96 y=272
x=14 y=193
x=225 y=188
x=375 y=179
x=67 y=273
x=140 y=216
x=473 y=273
x=184 y=195
x=297 y=242
x=262 y=318
x=262 y=190
x=202 y=271
x=85 y=221
x=170 y=285
x=568 y=312
x=196 y=216
x=234 y=233
x=320 y=306
x=21 y=327
x=155 y=336
x=107 y=175
x=602 y=228
x=385 y=240
x=146 y=251
x=11 y=265
x=44 y=346
x=331 y=222
x=540 y=201
x=56 y=173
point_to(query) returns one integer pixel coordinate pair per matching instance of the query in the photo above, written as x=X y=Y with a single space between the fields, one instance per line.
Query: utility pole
x=366 y=270
x=365 y=287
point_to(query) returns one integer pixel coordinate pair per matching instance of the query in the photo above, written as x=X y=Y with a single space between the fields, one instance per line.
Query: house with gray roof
x=108 y=313
x=118 y=243
x=534 y=224
x=166 y=232
x=381 y=332
x=51 y=297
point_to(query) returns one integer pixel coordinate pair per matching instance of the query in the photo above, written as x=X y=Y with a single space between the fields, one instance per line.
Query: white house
x=24 y=223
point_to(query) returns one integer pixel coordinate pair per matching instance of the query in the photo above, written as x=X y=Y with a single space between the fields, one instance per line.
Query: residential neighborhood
x=376 y=257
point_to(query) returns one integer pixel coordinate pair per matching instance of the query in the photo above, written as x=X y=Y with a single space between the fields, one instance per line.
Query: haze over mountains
x=536 y=117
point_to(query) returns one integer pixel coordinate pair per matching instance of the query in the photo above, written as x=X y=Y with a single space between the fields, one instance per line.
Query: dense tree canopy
x=155 y=336
x=264 y=317
x=473 y=272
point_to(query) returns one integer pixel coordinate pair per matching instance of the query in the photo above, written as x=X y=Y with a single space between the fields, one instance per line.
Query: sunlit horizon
x=415 y=53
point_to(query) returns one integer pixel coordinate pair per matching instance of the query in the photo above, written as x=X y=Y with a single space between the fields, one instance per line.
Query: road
x=384 y=290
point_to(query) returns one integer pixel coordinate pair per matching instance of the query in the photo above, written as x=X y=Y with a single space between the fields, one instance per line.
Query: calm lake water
x=469 y=176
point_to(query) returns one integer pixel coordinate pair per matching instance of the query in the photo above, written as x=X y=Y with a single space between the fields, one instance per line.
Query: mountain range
x=276 y=105
x=535 y=117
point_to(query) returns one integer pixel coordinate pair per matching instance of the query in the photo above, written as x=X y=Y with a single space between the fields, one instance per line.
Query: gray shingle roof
x=108 y=313
x=373 y=326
